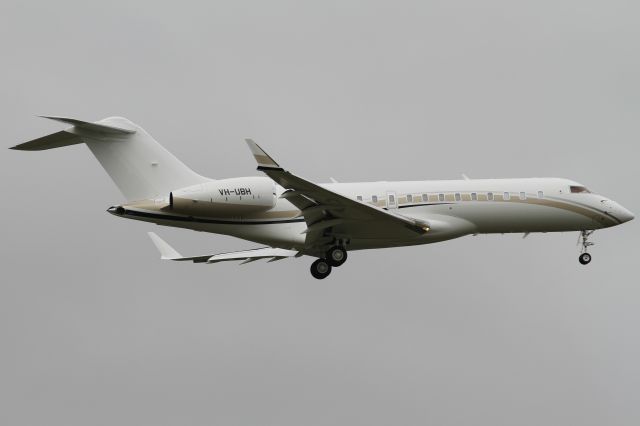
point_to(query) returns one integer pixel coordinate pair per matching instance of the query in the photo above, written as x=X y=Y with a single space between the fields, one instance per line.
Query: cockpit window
x=579 y=190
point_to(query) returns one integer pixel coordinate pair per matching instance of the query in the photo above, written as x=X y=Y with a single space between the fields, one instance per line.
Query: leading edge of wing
x=324 y=196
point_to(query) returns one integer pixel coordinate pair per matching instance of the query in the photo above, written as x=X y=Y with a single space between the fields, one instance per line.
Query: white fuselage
x=452 y=208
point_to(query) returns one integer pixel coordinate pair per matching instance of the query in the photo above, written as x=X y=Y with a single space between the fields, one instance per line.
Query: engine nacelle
x=225 y=197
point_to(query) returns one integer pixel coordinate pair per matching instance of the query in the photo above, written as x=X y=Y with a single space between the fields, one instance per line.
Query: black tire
x=584 y=258
x=320 y=269
x=337 y=256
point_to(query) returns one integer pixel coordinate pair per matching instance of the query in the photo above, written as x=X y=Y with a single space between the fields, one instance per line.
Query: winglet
x=262 y=158
x=166 y=251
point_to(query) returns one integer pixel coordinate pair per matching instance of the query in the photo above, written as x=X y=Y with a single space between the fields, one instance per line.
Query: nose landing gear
x=585 y=257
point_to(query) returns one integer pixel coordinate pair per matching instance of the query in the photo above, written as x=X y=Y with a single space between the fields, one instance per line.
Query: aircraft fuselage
x=452 y=208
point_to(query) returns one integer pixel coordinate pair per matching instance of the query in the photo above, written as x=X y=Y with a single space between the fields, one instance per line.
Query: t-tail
x=139 y=166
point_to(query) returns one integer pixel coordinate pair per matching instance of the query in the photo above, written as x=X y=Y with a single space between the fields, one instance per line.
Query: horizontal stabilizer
x=54 y=140
x=71 y=136
x=94 y=127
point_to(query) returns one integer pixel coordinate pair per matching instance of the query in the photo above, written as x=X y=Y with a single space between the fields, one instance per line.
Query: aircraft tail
x=139 y=166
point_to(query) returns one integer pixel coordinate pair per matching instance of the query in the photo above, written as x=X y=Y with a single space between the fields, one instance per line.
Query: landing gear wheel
x=584 y=258
x=337 y=256
x=320 y=269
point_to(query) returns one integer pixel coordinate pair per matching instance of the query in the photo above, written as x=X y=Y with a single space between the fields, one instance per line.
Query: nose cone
x=623 y=214
x=616 y=211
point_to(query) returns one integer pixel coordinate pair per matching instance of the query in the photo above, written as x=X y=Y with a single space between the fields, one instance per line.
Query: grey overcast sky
x=488 y=330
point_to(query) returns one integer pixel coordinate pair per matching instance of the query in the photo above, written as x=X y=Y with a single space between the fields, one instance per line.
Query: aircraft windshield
x=579 y=190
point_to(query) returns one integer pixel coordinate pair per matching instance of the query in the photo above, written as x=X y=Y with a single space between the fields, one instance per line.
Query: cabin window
x=391 y=200
x=409 y=198
x=441 y=197
x=425 y=198
x=540 y=194
x=359 y=198
x=490 y=196
x=474 y=196
x=523 y=196
x=374 y=198
x=507 y=196
x=458 y=198
x=579 y=190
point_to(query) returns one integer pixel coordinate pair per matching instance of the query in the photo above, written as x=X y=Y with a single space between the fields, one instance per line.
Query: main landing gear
x=320 y=269
x=585 y=257
x=335 y=256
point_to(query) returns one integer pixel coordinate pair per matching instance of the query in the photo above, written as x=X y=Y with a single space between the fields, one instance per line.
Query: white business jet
x=296 y=217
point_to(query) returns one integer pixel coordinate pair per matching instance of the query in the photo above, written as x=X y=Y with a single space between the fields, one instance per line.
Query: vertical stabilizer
x=139 y=166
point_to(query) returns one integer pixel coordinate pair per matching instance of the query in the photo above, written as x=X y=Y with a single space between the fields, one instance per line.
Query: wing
x=330 y=215
x=169 y=253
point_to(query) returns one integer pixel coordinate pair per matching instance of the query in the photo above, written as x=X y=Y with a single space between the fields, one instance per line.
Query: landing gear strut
x=320 y=269
x=585 y=257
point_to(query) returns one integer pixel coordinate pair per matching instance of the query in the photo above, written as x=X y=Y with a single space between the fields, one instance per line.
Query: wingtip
x=262 y=158
x=166 y=251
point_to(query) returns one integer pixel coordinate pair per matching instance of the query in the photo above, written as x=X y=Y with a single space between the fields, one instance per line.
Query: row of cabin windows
x=457 y=196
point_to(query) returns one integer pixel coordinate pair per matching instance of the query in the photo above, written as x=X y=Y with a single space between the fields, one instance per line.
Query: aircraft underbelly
x=514 y=217
x=287 y=234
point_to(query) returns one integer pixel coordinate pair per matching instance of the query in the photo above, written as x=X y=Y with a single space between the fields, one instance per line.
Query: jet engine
x=233 y=197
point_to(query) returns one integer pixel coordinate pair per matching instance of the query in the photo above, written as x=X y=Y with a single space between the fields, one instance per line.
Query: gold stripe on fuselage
x=588 y=212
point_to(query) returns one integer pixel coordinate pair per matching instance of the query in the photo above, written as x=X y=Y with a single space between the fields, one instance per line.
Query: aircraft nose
x=617 y=211
x=624 y=215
